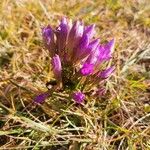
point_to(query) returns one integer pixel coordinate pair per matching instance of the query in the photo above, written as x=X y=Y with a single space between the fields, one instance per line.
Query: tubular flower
x=77 y=57
x=87 y=69
x=105 y=51
x=41 y=98
x=78 y=97
x=62 y=34
x=56 y=63
x=82 y=46
x=90 y=31
x=106 y=73
x=75 y=35
x=48 y=37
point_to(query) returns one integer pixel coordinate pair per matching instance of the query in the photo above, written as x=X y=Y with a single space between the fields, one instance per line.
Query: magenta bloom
x=78 y=97
x=106 y=73
x=105 y=51
x=82 y=46
x=86 y=51
x=75 y=35
x=48 y=36
x=56 y=63
x=90 y=31
x=76 y=53
x=87 y=69
x=62 y=34
x=41 y=98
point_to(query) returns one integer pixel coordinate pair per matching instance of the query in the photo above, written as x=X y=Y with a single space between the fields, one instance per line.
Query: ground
x=118 y=121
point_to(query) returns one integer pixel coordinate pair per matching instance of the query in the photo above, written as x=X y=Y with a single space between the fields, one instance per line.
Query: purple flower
x=62 y=34
x=93 y=57
x=76 y=53
x=110 y=46
x=41 y=98
x=87 y=69
x=56 y=63
x=90 y=31
x=75 y=35
x=48 y=37
x=89 y=64
x=93 y=45
x=83 y=44
x=90 y=49
x=105 y=51
x=106 y=73
x=78 y=97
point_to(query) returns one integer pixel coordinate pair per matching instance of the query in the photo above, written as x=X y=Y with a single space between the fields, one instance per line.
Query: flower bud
x=41 y=98
x=48 y=37
x=57 y=69
x=78 y=97
x=106 y=73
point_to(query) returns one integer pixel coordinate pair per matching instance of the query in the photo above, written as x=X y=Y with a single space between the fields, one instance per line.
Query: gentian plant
x=79 y=61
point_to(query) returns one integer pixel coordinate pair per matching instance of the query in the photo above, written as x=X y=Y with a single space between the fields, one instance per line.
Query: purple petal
x=93 y=45
x=90 y=30
x=90 y=49
x=106 y=73
x=93 y=57
x=83 y=44
x=103 y=54
x=41 y=98
x=105 y=51
x=87 y=69
x=62 y=34
x=110 y=46
x=56 y=63
x=75 y=35
x=48 y=37
x=78 y=97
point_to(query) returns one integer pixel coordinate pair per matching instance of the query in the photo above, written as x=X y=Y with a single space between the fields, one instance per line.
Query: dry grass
x=119 y=121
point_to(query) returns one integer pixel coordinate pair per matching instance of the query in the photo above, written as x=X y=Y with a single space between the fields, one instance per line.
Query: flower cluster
x=78 y=59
